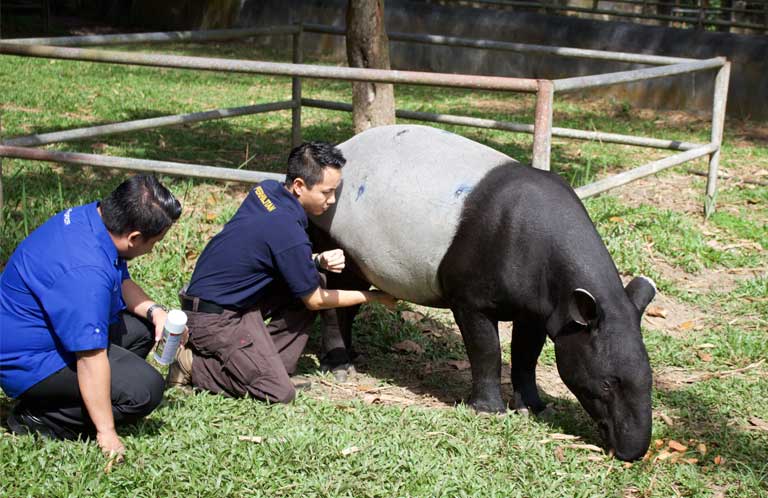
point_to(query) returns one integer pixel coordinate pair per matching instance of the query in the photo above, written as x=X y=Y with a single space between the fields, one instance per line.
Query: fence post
x=296 y=88
x=718 y=122
x=542 y=126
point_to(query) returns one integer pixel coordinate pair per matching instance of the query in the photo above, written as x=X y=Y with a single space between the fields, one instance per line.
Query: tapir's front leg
x=527 y=340
x=481 y=338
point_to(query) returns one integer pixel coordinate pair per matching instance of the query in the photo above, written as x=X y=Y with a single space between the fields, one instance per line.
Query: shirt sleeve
x=78 y=306
x=299 y=272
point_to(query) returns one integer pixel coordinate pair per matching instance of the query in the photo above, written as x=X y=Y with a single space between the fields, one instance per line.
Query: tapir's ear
x=583 y=307
x=641 y=291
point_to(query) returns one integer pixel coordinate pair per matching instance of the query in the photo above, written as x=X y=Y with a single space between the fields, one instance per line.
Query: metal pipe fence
x=542 y=129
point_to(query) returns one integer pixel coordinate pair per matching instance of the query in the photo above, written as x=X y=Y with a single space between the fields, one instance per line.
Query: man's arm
x=94 y=379
x=138 y=302
x=321 y=299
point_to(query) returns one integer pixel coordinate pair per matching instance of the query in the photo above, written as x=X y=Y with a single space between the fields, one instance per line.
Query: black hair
x=141 y=203
x=308 y=160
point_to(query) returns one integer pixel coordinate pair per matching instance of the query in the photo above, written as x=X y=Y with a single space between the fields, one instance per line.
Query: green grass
x=191 y=445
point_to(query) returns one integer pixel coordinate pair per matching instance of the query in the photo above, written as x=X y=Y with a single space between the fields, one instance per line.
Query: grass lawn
x=398 y=428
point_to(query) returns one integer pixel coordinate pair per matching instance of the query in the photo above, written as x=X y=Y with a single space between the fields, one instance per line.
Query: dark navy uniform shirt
x=265 y=243
x=59 y=293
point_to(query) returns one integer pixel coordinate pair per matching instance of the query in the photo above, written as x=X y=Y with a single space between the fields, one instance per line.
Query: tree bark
x=373 y=104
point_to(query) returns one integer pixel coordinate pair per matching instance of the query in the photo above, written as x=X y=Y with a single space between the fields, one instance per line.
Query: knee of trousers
x=143 y=395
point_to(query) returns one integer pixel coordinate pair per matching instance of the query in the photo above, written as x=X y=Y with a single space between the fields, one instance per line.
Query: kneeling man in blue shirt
x=256 y=289
x=75 y=327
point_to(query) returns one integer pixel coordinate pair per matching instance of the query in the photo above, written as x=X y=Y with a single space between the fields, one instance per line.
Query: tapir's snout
x=630 y=442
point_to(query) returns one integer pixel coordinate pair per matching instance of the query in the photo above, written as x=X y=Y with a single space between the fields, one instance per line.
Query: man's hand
x=333 y=261
x=111 y=445
x=384 y=299
x=159 y=316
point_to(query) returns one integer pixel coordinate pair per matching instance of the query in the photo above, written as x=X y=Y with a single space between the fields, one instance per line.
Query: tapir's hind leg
x=481 y=338
x=527 y=340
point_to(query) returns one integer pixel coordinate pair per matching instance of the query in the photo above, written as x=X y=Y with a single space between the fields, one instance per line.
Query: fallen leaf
x=701 y=448
x=350 y=450
x=719 y=460
x=656 y=311
x=704 y=356
x=364 y=388
x=658 y=443
x=210 y=216
x=663 y=455
x=759 y=423
x=667 y=419
x=687 y=325
x=563 y=437
x=559 y=454
x=251 y=439
x=627 y=465
x=692 y=461
x=408 y=346
x=458 y=364
x=616 y=219
x=594 y=458
x=674 y=445
x=705 y=345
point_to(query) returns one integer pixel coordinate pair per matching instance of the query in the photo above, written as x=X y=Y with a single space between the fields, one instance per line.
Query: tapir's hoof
x=489 y=407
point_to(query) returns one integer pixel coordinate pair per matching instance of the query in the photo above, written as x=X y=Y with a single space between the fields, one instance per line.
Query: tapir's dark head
x=602 y=359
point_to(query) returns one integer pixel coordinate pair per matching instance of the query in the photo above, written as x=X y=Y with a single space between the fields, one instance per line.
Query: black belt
x=203 y=306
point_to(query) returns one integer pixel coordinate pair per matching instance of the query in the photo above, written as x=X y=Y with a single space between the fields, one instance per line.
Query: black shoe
x=22 y=421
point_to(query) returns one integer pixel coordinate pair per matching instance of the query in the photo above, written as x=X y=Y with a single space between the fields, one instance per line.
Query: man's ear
x=299 y=185
x=133 y=238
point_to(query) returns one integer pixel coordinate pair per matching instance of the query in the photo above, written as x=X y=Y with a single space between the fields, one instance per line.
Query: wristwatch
x=152 y=308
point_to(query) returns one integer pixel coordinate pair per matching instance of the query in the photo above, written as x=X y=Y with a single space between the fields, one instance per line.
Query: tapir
x=440 y=220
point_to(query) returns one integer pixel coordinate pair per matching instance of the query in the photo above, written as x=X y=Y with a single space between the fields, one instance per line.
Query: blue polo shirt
x=59 y=293
x=265 y=243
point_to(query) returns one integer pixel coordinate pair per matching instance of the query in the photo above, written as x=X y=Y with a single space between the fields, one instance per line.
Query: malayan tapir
x=439 y=220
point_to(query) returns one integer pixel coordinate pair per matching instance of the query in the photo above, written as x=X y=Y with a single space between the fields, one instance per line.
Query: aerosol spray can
x=172 y=333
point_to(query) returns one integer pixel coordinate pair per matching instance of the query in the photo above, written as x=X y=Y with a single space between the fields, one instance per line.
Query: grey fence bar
x=651 y=168
x=274 y=68
x=718 y=124
x=516 y=127
x=133 y=164
x=511 y=47
x=159 y=37
x=581 y=82
x=544 y=89
x=143 y=124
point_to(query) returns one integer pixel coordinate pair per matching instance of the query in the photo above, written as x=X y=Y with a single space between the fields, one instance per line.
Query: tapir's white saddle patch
x=402 y=194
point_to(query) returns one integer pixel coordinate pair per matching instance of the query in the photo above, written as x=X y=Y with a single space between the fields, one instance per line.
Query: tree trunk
x=373 y=104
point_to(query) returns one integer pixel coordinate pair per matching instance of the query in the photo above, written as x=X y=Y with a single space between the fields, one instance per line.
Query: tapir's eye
x=608 y=384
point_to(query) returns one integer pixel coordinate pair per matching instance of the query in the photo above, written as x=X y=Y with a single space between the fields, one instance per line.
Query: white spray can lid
x=176 y=322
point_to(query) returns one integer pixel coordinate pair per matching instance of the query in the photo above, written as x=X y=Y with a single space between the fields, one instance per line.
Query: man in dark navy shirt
x=259 y=267
x=69 y=351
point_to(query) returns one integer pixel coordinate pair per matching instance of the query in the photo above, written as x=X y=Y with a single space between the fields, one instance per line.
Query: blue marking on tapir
x=360 y=192
x=519 y=247
x=462 y=189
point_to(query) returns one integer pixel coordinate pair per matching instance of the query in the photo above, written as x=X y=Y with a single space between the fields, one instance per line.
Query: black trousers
x=137 y=388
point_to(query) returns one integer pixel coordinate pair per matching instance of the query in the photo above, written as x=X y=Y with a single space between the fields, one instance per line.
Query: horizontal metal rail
x=143 y=124
x=274 y=68
x=580 y=82
x=654 y=167
x=512 y=47
x=516 y=127
x=157 y=37
x=133 y=164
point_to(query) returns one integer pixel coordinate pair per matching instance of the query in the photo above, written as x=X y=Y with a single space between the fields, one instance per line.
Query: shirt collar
x=287 y=199
x=102 y=235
